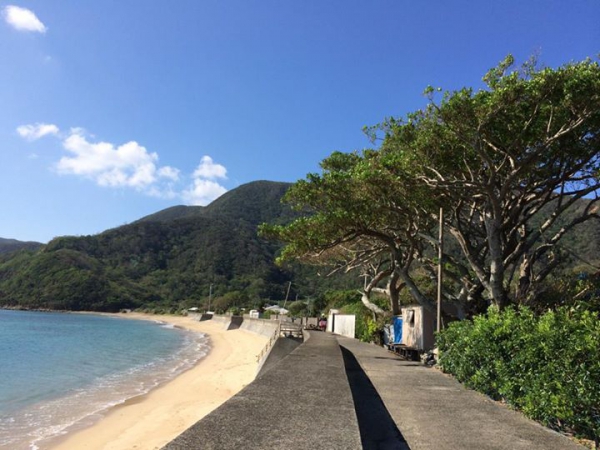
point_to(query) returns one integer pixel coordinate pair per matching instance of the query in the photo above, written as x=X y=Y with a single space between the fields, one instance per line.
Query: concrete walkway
x=337 y=393
x=433 y=411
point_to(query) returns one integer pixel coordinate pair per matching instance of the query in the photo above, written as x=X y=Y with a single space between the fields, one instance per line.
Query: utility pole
x=440 y=275
x=209 y=296
x=287 y=294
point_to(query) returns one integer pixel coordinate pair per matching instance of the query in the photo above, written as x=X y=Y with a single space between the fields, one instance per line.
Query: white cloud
x=128 y=165
x=169 y=172
x=208 y=169
x=22 y=19
x=36 y=131
x=79 y=130
x=202 y=192
x=203 y=189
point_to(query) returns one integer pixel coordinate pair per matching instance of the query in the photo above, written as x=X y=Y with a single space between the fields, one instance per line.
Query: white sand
x=151 y=421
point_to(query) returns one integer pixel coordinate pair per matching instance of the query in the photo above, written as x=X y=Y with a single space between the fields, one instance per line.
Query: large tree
x=360 y=216
x=506 y=162
x=509 y=161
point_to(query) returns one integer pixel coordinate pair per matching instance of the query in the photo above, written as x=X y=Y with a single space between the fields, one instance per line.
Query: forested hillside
x=167 y=260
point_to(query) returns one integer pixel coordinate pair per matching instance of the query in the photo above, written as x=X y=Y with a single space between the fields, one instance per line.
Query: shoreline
x=151 y=420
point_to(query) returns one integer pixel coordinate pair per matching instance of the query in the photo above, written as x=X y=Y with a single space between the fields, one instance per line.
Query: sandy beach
x=151 y=421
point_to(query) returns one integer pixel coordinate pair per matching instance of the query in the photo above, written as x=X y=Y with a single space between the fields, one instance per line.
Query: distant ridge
x=255 y=202
x=12 y=245
x=172 y=213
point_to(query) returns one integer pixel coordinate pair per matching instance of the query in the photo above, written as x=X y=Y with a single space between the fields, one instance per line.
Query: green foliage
x=298 y=309
x=234 y=311
x=336 y=299
x=229 y=301
x=367 y=329
x=547 y=366
x=497 y=156
x=576 y=288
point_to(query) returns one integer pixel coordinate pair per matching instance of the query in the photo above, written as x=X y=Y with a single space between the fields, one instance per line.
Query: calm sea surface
x=59 y=371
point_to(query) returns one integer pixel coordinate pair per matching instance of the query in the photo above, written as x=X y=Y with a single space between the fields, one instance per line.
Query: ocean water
x=63 y=371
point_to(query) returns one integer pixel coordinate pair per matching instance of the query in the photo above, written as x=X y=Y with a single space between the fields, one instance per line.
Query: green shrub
x=336 y=299
x=298 y=309
x=547 y=366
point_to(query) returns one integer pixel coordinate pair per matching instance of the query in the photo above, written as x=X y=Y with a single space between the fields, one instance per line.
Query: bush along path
x=546 y=366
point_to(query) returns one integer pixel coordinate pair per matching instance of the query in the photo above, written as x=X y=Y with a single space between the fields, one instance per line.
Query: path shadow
x=378 y=431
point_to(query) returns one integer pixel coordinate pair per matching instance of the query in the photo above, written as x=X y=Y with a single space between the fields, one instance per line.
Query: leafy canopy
x=505 y=162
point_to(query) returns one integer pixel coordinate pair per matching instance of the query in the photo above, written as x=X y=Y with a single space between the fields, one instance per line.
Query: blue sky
x=112 y=110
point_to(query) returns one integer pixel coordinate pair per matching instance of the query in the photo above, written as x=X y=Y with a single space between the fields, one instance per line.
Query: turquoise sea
x=62 y=371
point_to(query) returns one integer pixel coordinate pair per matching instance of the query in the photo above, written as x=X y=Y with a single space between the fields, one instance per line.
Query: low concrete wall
x=257 y=326
x=263 y=327
x=229 y=322
x=225 y=320
x=194 y=315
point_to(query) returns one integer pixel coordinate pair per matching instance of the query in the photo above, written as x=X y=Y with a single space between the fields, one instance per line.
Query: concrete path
x=433 y=411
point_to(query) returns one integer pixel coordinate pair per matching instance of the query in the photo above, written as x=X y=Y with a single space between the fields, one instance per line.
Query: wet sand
x=152 y=420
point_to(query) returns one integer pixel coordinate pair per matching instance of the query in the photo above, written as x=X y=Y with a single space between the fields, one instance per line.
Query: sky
x=112 y=110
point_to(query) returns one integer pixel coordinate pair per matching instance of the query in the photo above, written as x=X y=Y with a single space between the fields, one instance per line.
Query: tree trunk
x=524 y=280
x=394 y=293
x=416 y=292
x=496 y=280
x=365 y=299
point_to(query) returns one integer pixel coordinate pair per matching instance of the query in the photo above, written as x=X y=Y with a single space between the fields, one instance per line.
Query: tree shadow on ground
x=378 y=431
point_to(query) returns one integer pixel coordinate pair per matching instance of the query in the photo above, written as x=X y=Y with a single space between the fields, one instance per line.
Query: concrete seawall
x=260 y=326
x=302 y=402
x=225 y=320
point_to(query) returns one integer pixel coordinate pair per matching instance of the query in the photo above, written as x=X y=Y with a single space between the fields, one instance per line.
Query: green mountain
x=12 y=245
x=167 y=260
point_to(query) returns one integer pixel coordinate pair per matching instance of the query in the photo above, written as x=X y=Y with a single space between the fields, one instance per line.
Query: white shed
x=418 y=326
